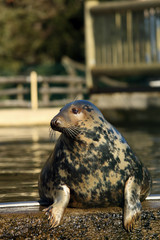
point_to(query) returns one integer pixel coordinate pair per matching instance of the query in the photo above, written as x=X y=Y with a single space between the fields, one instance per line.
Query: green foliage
x=46 y=69
x=39 y=32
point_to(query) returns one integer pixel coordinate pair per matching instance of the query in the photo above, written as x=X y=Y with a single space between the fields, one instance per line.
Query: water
x=23 y=152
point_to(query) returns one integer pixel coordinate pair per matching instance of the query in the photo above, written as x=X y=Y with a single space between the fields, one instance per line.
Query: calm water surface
x=23 y=152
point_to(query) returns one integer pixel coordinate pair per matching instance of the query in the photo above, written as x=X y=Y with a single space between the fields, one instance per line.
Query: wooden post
x=147 y=37
x=158 y=34
x=119 y=37
x=45 y=95
x=129 y=36
x=89 y=42
x=34 y=92
x=20 y=94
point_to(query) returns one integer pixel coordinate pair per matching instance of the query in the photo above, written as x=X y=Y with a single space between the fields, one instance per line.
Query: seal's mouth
x=69 y=131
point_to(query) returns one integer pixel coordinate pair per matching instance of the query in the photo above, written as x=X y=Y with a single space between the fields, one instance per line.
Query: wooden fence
x=40 y=91
x=122 y=38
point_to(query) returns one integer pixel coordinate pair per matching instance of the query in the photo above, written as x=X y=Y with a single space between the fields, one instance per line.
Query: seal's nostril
x=54 y=123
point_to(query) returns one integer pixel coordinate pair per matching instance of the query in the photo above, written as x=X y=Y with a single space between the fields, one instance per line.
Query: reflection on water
x=23 y=152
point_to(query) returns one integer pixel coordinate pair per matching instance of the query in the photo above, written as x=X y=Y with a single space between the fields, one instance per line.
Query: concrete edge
x=26 y=117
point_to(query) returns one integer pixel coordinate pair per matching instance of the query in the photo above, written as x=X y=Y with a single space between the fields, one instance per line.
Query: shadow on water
x=23 y=152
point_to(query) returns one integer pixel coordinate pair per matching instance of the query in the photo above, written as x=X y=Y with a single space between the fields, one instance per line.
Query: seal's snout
x=55 y=122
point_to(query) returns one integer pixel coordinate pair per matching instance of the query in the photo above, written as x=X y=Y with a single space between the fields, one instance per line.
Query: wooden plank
x=16 y=79
x=14 y=103
x=62 y=90
x=147 y=36
x=124 y=39
x=119 y=37
x=20 y=96
x=130 y=36
x=67 y=62
x=153 y=35
x=143 y=38
x=89 y=41
x=97 y=39
x=45 y=96
x=158 y=33
x=126 y=70
x=56 y=79
x=55 y=103
x=13 y=91
x=106 y=7
x=61 y=79
x=34 y=90
x=136 y=35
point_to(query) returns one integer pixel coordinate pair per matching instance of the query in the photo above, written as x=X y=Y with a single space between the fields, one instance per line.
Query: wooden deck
x=122 y=38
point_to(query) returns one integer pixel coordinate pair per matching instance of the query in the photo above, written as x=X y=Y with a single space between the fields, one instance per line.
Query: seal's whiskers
x=72 y=131
x=52 y=135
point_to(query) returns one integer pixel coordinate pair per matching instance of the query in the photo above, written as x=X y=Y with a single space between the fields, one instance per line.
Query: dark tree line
x=39 y=32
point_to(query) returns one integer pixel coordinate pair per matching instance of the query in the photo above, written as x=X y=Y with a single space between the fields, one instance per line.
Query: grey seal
x=91 y=165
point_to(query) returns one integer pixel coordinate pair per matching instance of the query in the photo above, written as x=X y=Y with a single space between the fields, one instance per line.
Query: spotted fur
x=93 y=161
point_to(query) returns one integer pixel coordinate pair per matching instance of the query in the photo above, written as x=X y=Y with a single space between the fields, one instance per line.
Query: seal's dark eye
x=75 y=110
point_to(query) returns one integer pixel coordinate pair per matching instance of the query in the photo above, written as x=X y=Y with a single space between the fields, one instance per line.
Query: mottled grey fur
x=91 y=166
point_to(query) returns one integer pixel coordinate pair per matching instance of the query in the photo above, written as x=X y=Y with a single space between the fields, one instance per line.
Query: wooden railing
x=40 y=91
x=122 y=38
x=14 y=91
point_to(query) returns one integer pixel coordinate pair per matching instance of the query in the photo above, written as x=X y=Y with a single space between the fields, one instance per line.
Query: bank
x=84 y=224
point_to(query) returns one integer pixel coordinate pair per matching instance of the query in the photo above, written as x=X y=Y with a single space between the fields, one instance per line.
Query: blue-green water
x=23 y=152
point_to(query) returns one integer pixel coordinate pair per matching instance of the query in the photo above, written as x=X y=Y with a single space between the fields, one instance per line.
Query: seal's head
x=75 y=117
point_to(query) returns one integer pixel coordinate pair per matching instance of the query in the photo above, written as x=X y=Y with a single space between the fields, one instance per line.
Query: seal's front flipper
x=132 y=204
x=56 y=210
